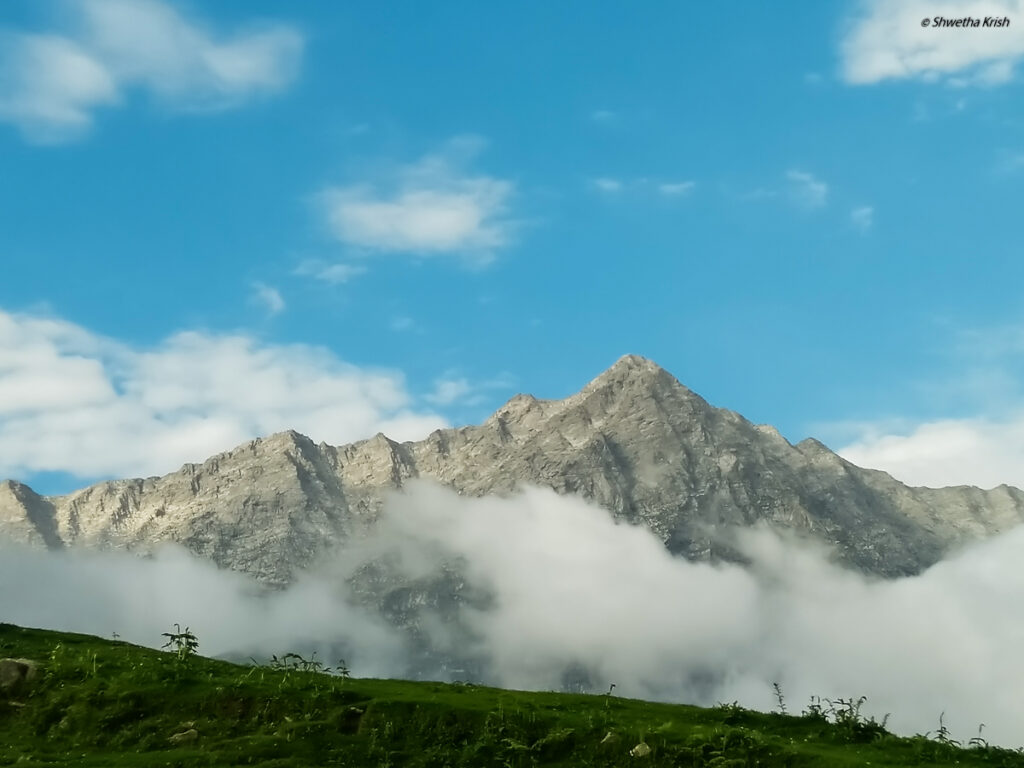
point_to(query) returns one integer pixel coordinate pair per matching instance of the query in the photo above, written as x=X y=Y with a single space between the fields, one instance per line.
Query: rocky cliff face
x=634 y=440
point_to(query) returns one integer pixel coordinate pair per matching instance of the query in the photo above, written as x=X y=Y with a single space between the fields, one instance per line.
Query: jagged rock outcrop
x=634 y=440
x=26 y=517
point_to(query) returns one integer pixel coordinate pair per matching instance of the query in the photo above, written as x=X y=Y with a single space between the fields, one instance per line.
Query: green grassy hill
x=94 y=702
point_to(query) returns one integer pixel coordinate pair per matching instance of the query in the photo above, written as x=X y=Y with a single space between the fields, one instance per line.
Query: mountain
x=634 y=441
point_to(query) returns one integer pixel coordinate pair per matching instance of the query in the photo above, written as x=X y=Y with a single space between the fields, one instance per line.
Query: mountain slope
x=634 y=440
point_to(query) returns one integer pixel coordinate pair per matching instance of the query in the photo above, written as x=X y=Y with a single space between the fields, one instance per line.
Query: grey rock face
x=634 y=441
x=26 y=517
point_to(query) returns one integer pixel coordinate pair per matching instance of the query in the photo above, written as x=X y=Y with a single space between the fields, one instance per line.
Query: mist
x=555 y=584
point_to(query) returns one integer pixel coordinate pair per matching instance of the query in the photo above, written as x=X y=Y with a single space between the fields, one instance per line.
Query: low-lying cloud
x=566 y=587
x=973 y=451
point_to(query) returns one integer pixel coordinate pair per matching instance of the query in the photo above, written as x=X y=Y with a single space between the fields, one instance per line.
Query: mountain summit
x=634 y=440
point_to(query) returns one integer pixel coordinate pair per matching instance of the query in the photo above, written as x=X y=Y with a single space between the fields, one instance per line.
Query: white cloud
x=675 y=188
x=433 y=208
x=887 y=41
x=605 y=184
x=863 y=217
x=76 y=402
x=335 y=274
x=51 y=84
x=806 y=190
x=269 y=298
x=641 y=184
x=973 y=451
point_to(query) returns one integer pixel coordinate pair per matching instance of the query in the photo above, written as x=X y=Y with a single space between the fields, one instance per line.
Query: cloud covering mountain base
x=560 y=585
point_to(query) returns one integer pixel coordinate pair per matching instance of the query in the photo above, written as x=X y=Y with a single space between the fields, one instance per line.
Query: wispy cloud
x=806 y=190
x=1010 y=162
x=432 y=208
x=611 y=185
x=452 y=388
x=890 y=40
x=269 y=298
x=863 y=217
x=606 y=184
x=52 y=83
x=402 y=323
x=757 y=194
x=676 y=188
x=77 y=402
x=602 y=115
x=448 y=391
x=335 y=274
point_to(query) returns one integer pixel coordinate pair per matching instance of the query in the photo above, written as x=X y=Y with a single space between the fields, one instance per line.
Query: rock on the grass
x=640 y=750
x=15 y=672
x=185 y=737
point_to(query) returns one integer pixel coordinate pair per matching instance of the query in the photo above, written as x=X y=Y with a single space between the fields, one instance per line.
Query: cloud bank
x=76 y=402
x=568 y=588
x=52 y=83
x=974 y=451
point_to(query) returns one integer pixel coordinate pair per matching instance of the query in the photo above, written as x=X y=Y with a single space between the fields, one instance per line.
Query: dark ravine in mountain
x=634 y=441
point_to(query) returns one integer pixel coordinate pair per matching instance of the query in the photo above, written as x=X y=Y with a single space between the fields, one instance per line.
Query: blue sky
x=223 y=220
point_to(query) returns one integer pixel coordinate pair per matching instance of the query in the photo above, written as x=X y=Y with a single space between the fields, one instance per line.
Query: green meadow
x=97 y=702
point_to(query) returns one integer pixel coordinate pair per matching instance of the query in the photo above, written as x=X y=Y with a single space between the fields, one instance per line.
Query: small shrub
x=183 y=643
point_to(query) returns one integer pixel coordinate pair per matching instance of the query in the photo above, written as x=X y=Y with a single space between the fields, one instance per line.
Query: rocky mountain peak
x=632 y=371
x=634 y=441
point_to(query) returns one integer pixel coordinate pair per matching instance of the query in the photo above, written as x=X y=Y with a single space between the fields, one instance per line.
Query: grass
x=105 y=703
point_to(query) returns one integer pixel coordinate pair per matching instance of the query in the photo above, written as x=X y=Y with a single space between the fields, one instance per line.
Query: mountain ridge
x=633 y=440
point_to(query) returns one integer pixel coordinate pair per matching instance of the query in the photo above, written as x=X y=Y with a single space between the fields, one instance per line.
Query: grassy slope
x=102 y=703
